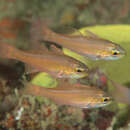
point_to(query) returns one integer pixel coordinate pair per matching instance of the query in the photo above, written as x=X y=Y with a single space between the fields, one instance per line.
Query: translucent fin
x=41 y=50
x=69 y=31
x=35 y=35
x=67 y=84
x=39 y=31
x=91 y=35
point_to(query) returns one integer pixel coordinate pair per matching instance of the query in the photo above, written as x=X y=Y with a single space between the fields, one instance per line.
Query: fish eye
x=115 y=52
x=79 y=69
x=106 y=99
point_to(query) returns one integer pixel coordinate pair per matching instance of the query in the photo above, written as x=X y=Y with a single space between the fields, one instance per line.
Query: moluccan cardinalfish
x=76 y=95
x=90 y=46
x=60 y=66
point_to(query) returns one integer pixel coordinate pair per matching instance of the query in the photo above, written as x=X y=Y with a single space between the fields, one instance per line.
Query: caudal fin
x=40 y=31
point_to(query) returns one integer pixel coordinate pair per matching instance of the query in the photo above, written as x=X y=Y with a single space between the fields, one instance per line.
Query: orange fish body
x=92 y=46
x=56 y=65
x=70 y=94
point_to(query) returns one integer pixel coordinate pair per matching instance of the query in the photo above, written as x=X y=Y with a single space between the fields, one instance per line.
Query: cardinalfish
x=75 y=95
x=60 y=66
x=90 y=46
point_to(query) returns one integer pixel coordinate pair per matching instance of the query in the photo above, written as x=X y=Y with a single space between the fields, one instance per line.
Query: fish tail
x=7 y=51
x=40 y=31
x=47 y=33
x=35 y=90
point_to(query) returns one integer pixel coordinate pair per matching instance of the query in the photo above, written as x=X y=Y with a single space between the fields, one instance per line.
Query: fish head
x=79 y=71
x=97 y=102
x=103 y=101
x=72 y=68
x=110 y=51
x=74 y=71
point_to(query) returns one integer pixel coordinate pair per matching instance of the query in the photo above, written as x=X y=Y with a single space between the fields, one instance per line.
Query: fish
x=120 y=93
x=59 y=66
x=75 y=95
x=92 y=46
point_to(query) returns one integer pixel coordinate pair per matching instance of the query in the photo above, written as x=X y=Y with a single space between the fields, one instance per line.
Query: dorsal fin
x=91 y=35
x=66 y=31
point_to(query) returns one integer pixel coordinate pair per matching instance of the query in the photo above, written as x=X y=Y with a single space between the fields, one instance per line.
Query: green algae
x=44 y=79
